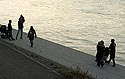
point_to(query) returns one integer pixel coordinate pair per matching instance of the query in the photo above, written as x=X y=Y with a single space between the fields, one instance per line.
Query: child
x=31 y=34
x=106 y=54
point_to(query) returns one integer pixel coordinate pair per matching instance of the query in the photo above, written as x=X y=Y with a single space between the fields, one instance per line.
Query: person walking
x=112 y=52
x=31 y=35
x=10 y=36
x=100 y=53
x=20 y=26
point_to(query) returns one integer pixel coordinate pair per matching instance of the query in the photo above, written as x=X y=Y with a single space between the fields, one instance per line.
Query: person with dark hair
x=10 y=36
x=31 y=35
x=100 y=53
x=112 y=52
x=20 y=26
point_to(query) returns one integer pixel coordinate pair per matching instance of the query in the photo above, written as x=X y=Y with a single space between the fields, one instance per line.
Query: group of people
x=7 y=32
x=103 y=53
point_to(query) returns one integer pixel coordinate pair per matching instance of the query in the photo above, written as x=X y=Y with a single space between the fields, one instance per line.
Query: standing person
x=106 y=54
x=10 y=36
x=31 y=35
x=100 y=53
x=112 y=52
x=20 y=26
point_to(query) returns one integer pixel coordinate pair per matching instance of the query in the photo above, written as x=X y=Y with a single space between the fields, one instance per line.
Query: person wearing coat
x=100 y=53
x=20 y=26
x=31 y=35
x=112 y=51
x=10 y=36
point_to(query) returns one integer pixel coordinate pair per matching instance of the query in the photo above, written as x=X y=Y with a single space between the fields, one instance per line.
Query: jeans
x=21 y=33
x=10 y=35
x=113 y=59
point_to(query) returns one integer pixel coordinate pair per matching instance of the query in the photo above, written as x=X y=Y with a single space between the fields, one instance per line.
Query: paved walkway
x=14 y=65
x=70 y=57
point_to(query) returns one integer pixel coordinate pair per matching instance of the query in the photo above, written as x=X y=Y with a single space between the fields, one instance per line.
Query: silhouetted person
x=10 y=36
x=20 y=26
x=106 y=54
x=31 y=35
x=112 y=52
x=100 y=53
x=0 y=28
x=3 y=29
x=4 y=32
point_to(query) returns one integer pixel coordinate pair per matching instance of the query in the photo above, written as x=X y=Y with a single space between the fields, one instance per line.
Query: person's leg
x=31 y=42
x=102 y=61
x=109 y=61
x=6 y=34
x=21 y=33
x=98 y=63
x=11 y=36
x=113 y=62
x=17 y=33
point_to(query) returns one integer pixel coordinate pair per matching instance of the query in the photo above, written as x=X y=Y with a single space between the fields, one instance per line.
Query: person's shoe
x=96 y=60
x=98 y=65
x=13 y=39
x=102 y=65
x=107 y=62
x=113 y=65
x=31 y=45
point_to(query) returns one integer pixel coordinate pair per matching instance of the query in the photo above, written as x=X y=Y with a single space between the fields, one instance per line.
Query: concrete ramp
x=69 y=57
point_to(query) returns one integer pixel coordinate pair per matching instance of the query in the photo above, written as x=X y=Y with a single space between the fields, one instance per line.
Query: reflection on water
x=78 y=24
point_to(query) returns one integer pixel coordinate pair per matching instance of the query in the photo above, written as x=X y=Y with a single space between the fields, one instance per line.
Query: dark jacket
x=31 y=34
x=100 y=51
x=21 y=19
x=20 y=25
x=112 y=50
x=9 y=27
x=20 y=22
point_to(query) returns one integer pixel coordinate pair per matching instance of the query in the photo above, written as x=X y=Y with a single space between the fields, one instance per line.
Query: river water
x=78 y=24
